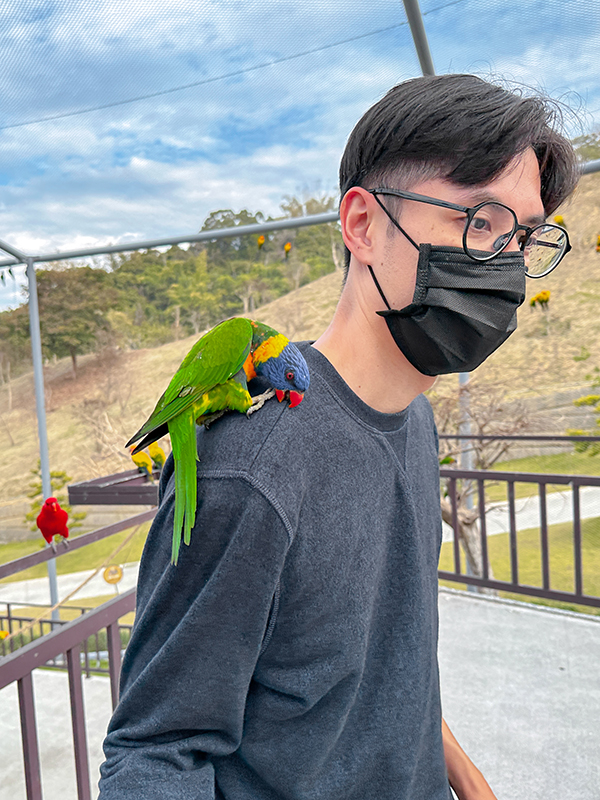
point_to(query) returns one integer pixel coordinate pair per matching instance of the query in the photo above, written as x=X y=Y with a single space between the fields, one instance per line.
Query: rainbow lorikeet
x=52 y=521
x=211 y=380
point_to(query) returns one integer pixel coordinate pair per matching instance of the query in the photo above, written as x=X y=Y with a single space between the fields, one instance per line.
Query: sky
x=274 y=87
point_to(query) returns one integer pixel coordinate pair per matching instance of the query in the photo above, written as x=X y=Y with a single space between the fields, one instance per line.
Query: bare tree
x=491 y=413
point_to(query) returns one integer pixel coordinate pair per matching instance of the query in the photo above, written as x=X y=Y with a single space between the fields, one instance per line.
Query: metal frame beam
x=147 y=244
x=417 y=29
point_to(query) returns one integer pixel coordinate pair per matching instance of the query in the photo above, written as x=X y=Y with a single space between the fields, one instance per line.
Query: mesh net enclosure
x=123 y=121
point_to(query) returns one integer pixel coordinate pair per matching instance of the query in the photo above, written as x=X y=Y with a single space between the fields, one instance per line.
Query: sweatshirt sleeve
x=199 y=630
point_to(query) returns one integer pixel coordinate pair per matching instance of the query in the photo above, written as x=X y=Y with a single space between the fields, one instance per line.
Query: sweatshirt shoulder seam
x=260 y=487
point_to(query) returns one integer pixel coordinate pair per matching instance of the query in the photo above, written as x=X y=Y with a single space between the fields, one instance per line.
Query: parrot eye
x=289 y=375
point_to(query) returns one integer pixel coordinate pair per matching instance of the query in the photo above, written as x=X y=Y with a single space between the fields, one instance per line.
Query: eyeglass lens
x=490 y=228
x=493 y=225
x=544 y=249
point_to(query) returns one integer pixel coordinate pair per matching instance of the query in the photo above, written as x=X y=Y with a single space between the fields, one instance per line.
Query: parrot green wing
x=214 y=359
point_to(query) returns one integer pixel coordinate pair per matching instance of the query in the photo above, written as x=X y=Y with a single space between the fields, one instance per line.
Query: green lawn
x=89 y=557
x=560 y=463
x=560 y=542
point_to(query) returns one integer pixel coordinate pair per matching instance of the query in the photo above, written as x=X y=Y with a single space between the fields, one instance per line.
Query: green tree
x=193 y=293
x=58 y=480
x=74 y=302
x=258 y=283
x=588 y=146
x=222 y=252
x=15 y=347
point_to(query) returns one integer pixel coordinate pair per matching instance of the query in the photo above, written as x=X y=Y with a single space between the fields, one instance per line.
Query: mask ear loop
x=379 y=289
x=414 y=244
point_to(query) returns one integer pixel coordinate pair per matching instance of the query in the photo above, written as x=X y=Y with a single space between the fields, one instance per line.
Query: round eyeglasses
x=490 y=227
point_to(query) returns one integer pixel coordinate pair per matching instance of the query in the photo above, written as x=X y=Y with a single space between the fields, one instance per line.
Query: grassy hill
x=90 y=417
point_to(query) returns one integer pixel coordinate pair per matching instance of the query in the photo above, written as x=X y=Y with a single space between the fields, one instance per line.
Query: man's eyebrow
x=484 y=196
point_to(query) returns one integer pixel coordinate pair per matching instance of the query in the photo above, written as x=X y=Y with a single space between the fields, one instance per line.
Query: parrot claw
x=66 y=544
x=53 y=546
x=259 y=400
x=208 y=420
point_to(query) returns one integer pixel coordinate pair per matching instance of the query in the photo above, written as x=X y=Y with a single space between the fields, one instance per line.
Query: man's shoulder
x=275 y=431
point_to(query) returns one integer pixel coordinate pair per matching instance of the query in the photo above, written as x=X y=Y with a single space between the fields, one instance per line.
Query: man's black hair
x=461 y=128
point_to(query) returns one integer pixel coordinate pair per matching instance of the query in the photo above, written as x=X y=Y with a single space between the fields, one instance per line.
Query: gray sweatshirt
x=292 y=652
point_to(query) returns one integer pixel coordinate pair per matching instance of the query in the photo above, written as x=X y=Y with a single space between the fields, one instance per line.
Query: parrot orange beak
x=295 y=398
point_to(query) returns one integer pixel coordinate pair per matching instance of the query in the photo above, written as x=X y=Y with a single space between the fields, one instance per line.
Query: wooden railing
x=68 y=639
x=478 y=480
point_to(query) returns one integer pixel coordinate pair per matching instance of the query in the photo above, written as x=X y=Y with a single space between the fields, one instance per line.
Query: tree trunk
x=74 y=361
x=9 y=387
x=7 y=429
x=334 y=251
x=195 y=320
x=177 y=322
x=468 y=535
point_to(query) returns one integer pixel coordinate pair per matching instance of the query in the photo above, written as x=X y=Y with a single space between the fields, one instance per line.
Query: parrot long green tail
x=182 y=429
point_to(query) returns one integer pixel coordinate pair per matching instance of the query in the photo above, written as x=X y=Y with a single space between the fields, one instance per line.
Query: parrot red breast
x=52 y=520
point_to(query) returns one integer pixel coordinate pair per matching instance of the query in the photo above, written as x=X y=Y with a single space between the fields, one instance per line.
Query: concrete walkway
x=521 y=693
x=55 y=735
x=37 y=590
x=520 y=690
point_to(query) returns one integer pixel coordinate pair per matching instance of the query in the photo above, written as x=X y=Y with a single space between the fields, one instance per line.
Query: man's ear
x=358 y=218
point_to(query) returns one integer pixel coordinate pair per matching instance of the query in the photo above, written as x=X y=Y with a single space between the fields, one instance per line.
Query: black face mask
x=462 y=310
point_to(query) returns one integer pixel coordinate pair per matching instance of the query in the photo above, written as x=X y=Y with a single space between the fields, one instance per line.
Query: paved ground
x=521 y=692
x=520 y=686
x=37 y=589
x=559 y=508
x=54 y=734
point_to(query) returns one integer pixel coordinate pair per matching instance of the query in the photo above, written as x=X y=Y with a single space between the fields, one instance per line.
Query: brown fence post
x=82 y=767
x=31 y=753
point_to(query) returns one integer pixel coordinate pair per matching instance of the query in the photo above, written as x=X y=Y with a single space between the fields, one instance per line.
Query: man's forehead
x=517 y=186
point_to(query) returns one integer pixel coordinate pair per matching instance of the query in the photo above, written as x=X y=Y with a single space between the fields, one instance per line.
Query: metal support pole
x=466 y=448
x=415 y=20
x=38 y=377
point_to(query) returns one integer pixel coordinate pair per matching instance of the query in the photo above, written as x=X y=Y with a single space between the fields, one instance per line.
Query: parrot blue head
x=287 y=372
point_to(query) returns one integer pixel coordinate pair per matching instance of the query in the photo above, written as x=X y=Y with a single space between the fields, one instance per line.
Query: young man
x=292 y=652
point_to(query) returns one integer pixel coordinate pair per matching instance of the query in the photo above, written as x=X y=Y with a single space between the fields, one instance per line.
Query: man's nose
x=513 y=245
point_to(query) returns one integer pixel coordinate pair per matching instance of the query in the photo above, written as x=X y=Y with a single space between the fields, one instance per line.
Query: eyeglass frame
x=471 y=212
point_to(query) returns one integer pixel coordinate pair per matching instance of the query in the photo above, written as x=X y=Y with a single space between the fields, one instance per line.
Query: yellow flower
x=3 y=635
x=541 y=298
x=560 y=220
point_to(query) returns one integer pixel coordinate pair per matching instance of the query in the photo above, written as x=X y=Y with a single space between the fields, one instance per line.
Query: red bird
x=52 y=521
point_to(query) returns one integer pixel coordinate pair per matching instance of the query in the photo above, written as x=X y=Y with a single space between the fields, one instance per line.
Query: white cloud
x=158 y=167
